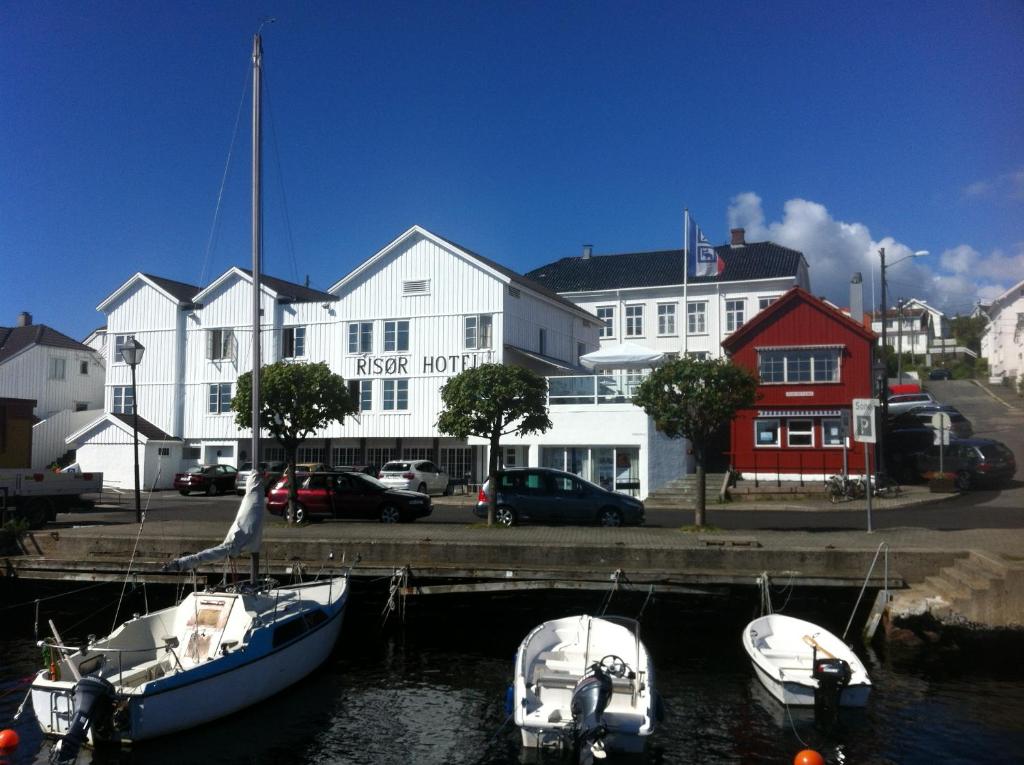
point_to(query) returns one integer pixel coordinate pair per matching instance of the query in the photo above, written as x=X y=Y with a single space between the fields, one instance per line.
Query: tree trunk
x=492 y=477
x=702 y=480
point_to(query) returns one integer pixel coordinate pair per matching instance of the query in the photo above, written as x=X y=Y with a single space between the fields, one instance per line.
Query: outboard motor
x=94 y=703
x=589 y=700
x=832 y=675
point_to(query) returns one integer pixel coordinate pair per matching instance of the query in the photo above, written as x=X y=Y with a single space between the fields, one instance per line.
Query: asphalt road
x=989 y=508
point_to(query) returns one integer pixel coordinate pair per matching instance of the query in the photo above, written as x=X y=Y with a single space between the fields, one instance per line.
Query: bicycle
x=842 y=488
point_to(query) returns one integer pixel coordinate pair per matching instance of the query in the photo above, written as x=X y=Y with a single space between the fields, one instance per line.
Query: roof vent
x=514 y=291
x=24 y=319
x=738 y=239
x=588 y=250
x=416 y=287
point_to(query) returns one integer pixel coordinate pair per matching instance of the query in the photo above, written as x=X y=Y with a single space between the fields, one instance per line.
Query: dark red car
x=348 y=495
x=209 y=479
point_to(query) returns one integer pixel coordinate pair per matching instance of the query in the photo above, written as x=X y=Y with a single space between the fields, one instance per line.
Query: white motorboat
x=798 y=662
x=587 y=682
x=217 y=651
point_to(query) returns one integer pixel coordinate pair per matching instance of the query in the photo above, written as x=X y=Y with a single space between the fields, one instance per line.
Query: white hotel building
x=396 y=328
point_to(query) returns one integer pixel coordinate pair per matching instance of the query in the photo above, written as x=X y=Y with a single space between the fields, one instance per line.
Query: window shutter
x=209 y=343
x=232 y=346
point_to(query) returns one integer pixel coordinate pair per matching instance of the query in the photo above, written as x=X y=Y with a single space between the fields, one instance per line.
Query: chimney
x=737 y=237
x=24 y=319
x=857 y=298
x=588 y=250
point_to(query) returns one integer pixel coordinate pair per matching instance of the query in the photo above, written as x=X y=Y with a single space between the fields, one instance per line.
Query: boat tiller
x=832 y=675
x=589 y=700
x=93 y=703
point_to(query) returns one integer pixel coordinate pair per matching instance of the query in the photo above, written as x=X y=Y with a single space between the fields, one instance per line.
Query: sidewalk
x=1002 y=393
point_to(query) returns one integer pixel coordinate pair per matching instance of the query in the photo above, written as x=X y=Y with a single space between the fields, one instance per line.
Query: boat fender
x=93 y=704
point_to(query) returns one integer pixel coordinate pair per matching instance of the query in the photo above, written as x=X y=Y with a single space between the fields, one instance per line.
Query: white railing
x=579 y=390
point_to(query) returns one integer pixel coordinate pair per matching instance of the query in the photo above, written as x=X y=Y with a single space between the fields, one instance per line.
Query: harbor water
x=425 y=683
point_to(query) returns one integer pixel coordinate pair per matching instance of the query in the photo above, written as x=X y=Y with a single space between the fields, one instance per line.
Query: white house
x=1003 y=341
x=917 y=328
x=63 y=376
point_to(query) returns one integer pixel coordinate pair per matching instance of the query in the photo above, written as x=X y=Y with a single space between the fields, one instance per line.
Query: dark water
x=431 y=690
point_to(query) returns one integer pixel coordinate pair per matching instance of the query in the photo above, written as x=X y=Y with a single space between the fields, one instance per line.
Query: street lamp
x=132 y=352
x=883 y=391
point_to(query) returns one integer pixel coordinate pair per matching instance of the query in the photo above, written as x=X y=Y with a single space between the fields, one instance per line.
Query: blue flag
x=701 y=258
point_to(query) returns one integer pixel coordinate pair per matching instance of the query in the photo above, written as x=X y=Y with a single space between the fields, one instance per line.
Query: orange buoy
x=808 y=757
x=8 y=738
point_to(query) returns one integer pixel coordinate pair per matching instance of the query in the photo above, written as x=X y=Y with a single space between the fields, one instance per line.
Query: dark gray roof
x=180 y=290
x=15 y=339
x=755 y=260
x=146 y=428
x=294 y=293
x=531 y=284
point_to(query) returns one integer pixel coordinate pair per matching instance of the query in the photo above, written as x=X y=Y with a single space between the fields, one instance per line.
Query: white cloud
x=835 y=249
x=1009 y=185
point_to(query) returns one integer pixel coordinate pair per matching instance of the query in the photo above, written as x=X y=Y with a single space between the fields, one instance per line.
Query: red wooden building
x=812 y=361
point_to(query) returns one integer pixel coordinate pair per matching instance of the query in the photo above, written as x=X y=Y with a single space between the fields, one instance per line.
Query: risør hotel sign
x=450 y=364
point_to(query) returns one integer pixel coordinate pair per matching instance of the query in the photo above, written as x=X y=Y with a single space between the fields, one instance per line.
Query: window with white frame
x=220 y=344
x=219 y=398
x=395 y=395
x=478 y=331
x=365 y=395
x=345 y=455
x=293 y=342
x=800 y=432
x=378 y=455
x=396 y=336
x=309 y=454
x=273 y=454
x=360 y=337
x=123 y=401
x=120 y=341
x=832 y=432
x=735 y=314
x=798 y=365
x=192 y=453
x=457 y=461
x=634 y=321
x=58 y=368
x=416 y=453
x=697 y=318
x=764 y=302
x=606 y=313
x=666 y=318
x=766 y=432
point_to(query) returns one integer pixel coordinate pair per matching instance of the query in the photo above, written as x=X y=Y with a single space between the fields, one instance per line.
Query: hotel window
x=124 y=400
x=360 y=337
x=345 y=455
x=735 y=314
x=634 y=321
x=457 y=461
x=58 y=368
x=309 y=454
x=361 y=393
x=696 y=318
x=832 y=432
x=219 y=398
x=396 y=336
x=667 y=319
x=396 y=395
x=764 y=302
x=793 y=365
x=120 y=341
x=220 y=344
x=293 y=342
x=607 y=316
x=378 y=455
x=478 y=331
x=800 y=432
x=271 y=454
x=83 y=367
x=766 y=432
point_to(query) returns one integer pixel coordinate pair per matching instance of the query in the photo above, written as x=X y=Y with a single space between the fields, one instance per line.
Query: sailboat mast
x=257 y=254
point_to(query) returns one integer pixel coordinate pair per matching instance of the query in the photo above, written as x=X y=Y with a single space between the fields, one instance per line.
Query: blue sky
x=521 y=130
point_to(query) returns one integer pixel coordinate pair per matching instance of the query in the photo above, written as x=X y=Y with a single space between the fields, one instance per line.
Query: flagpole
x=686 y=271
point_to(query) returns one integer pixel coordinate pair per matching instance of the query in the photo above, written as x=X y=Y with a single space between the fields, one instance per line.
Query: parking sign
x=864 y=429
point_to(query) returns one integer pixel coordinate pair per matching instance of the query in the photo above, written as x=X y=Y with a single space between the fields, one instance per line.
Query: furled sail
x=245 y=534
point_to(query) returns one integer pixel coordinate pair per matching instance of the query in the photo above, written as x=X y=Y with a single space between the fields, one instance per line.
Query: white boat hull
x=214 y=688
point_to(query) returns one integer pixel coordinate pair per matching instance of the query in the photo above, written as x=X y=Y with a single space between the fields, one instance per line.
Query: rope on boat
x=618 y=576
x=135 y=549
x=885 y=586
x=396 y=594
x=648 y=599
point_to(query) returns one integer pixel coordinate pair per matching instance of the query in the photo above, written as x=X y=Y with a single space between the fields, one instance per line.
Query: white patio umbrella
x=623 y=356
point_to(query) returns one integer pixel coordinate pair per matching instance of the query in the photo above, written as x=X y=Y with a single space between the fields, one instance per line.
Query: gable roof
x=755 y=260
x=285 y=292
x=794 y=295
x=13 y=340
x=498 y=270
x=147 y=430
x=178 y=292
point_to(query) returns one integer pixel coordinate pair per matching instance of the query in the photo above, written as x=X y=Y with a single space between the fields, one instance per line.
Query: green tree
x=693 y=398
x=491 y=401
x=968 y=331
x=295 y=401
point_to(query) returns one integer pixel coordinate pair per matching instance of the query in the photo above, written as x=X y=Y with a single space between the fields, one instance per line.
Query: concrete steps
x=682 y=492
x=981 y=588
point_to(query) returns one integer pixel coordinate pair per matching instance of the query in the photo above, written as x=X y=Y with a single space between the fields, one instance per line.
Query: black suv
x=972 y=461
x=542 y=494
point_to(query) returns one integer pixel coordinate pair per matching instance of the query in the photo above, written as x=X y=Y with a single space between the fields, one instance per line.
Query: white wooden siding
x=27 y=375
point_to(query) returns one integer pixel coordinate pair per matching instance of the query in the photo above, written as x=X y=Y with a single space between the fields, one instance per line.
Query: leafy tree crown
x=494 y=399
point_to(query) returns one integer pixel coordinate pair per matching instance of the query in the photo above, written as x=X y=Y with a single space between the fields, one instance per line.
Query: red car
x=210 y=479
x=348 y=495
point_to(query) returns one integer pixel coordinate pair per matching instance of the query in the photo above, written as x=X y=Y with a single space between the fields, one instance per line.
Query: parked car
x=210 y=479
x=959 y=426
x=972 y=461
x=310 y=467
x=904 y=402
x=543 y=494
x=940 y=374
x=348 y=495
x=418 y=475
x=270 y=472
x=368 y=469
x=903 y=449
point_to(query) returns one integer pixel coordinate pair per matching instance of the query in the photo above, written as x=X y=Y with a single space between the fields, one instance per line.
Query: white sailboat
x=217 y=651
